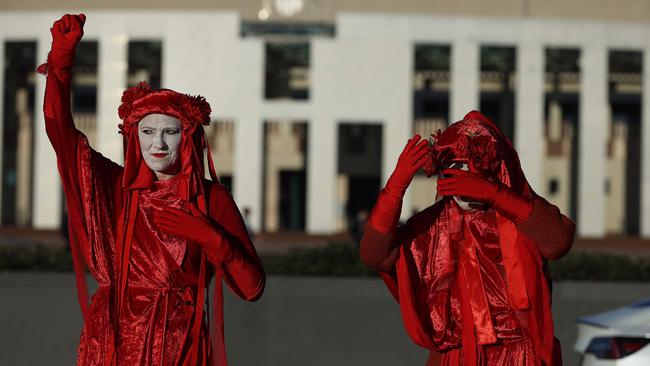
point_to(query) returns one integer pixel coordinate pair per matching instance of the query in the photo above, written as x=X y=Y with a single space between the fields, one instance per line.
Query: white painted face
x=464 y=204
x=160 y=141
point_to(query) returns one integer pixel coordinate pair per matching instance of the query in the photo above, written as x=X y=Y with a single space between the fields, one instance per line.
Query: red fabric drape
x=455 y=265
x=148 y=308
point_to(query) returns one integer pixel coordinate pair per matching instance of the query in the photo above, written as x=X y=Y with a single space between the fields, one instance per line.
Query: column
x=326 y=85
x=247 y=174
x=592 y=140
x=112 y=81
x=47 y=184
x=244 y=80
x=321 y=176
x=529 y=112
x=465 y=67
x=398 y=126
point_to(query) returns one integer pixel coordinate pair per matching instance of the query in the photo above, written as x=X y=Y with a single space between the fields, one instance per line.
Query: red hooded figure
x=469 y=272
x=151 y=233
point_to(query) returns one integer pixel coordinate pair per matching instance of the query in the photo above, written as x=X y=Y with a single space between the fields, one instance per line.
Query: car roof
x=629 y=320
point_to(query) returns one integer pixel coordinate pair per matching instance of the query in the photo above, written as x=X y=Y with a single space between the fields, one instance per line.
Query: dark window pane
x=287 y=71
x=145 y=63
x=553 y=186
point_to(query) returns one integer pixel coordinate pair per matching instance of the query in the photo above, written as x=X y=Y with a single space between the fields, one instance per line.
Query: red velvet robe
x=154 y=325
x=473 y=286
x=440 y=280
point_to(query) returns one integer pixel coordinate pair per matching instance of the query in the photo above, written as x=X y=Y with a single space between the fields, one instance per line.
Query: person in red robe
x=151 y=232
x=470 y=272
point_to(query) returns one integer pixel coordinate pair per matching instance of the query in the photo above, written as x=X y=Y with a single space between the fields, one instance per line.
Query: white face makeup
x=160 y=141
x=464 y=204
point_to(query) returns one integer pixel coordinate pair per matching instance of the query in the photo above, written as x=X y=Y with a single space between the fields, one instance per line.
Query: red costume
x=151 y=245
x=472 y=284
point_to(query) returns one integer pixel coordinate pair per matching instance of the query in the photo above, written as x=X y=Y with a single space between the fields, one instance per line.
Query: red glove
x=66 y=34
x=59 y=125
x=386 y=212
x=194 y=227
x=475 y=187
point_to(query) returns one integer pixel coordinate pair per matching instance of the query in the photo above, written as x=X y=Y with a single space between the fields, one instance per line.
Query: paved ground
x=299 y=321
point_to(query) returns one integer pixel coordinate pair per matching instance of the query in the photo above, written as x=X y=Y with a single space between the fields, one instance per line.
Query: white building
x=314 y=100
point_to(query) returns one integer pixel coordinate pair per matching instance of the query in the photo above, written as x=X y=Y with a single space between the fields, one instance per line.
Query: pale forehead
x=158 y=120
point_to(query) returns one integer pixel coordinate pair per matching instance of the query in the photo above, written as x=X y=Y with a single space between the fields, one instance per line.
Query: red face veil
x=478 y=141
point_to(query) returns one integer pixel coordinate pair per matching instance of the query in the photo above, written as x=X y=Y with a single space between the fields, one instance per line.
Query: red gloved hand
x=468 y=185
x=473 y=186
x=409 y=162
x=68 y=31
x=66 y=34
x=386 y=212
x=194 y=227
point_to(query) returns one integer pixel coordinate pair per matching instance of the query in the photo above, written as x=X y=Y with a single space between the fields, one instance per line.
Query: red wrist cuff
x=60 y=58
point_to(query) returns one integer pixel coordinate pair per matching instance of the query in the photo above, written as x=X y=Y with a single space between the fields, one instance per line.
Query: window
x=145 y=63
x=287 y=71
x=553 y=186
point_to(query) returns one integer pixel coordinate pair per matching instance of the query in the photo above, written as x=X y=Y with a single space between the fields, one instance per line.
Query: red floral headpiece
x=469 y=139
x=192 y=111
x=140 y=101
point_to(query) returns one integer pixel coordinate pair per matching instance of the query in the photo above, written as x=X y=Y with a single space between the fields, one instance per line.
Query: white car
x=617 y=337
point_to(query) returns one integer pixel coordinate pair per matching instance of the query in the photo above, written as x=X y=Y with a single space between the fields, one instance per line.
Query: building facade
x=313 y=101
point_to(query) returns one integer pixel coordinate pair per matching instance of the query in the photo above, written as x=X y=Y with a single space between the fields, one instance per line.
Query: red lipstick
x=159 y=155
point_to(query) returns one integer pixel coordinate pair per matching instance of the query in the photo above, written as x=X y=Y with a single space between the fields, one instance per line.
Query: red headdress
x=476 y=139
x=193 y=113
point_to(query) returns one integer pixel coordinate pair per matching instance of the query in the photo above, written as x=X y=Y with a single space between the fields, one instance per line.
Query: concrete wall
x=315 y=321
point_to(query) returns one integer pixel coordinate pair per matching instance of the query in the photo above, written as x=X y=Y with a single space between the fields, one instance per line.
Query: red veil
x=438 y=264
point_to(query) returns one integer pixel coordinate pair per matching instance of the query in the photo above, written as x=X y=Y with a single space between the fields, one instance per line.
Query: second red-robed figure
x=470 y=271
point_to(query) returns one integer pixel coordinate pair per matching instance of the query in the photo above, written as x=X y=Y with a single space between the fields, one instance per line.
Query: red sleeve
x=378 y=248
x=60 y=127
x=70 y=145
x=549 y=229
x=378 y=251
x=381 y=251
x=90 y=181
x=242 y=267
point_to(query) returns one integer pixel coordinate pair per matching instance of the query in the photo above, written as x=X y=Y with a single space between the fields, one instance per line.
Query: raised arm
x=379 y=249
x=60 y=128
x=90 y=181
x=70 y=145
